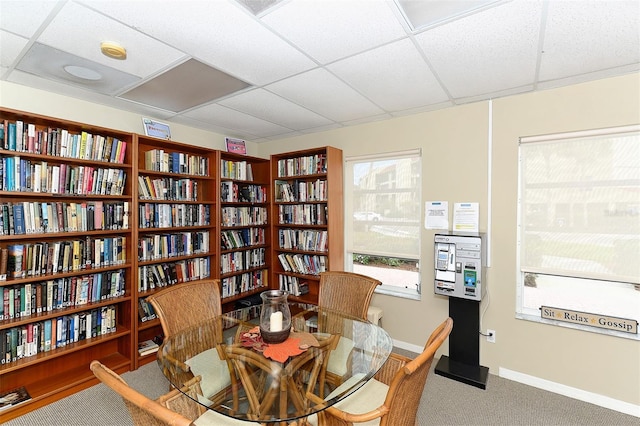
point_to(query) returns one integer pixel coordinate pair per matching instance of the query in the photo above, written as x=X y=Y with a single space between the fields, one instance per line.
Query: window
x=382 y=201
x=579 y=224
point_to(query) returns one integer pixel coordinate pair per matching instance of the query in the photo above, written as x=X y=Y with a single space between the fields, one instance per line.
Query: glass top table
x=240 y=376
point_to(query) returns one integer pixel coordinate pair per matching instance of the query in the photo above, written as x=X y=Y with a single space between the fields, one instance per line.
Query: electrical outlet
x=491 y=336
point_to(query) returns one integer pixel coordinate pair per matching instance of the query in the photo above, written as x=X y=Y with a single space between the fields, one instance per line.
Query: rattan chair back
x=145 y=411
x=346 y=292
x=184 y=305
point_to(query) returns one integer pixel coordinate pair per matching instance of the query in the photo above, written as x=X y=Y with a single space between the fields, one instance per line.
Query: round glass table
x=238 y=375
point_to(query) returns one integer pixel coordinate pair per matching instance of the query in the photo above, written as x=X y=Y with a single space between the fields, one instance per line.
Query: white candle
x=275 y=321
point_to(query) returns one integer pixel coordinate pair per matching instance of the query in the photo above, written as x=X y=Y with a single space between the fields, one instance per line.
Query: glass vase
x=275 y=316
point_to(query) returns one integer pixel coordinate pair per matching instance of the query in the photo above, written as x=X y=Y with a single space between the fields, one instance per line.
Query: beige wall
x=454 y=144
x=598 y=364
x=40 y=102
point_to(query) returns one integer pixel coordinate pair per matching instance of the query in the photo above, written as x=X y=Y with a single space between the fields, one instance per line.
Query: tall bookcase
x=245 y=233
x=307 y=212
x=94 y=220
x=66 y=198
x=176 y=223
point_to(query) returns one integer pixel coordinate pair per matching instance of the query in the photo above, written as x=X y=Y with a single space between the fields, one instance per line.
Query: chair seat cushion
x=369 y=397
x=211 y=418
x=339 y=356
x=214 y=371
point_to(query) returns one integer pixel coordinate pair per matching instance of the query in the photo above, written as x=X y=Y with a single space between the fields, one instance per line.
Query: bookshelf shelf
x=244 y=248
x=55 y=176
x=307 y=230
x=176 y=224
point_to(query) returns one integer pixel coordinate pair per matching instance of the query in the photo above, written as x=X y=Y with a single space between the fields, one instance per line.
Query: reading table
x=244 y=378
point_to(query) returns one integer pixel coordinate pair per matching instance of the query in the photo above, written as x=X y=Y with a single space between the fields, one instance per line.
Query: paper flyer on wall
x=466 y=217
x=436 y=215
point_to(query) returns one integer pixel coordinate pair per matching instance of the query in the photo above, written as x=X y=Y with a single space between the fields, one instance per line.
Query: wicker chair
x=172 y=409
x=349 y=293
x=181 y=307
x=393 y=395
x=187 y=304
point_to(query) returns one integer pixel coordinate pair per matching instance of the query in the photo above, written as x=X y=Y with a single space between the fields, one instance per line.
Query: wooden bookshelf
x=307 y=230
x=176 y=222
x=89 y=234
x=245 y=233
x=149 y=210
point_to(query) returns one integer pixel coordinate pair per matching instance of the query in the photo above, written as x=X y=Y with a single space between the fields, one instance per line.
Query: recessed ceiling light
x=113 y=50
x=82 y=72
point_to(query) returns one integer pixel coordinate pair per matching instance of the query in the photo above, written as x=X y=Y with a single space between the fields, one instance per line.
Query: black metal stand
x=463 y=362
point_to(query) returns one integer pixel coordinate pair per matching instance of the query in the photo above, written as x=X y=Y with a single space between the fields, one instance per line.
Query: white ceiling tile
x=24 y=17
x=575 y=30
x=393 y=76
x=10 y=47
x=332 y=29
x=376 y=67
x=322 y=92
x=263 y=104
x=474 y=55
x=229 y=118
x=217 y=32
x=80 y=30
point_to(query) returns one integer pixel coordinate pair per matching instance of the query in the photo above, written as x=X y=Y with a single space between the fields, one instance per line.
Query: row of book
x=22 y=175
x=167 y=188
x=54 y=217
x=155 y=215
x=169 y=273
x=145 y=310
x=46 y=258
x=292 y=285
x=245 y=315
x=240 y=170
x=44 y=336
x=162 y=246
x=302 y=214
x=303 y=239
x=304 y=264
x=232 y=192
x=47 y=296
x=27 y=137
x=158 y=160
x=301 y=191
x=237 y=238
x=242 y=260
x=244 y=216
x=307 y=165
x=248 y=281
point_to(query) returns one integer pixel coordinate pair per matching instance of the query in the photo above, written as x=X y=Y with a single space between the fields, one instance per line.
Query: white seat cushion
x=339 y=356
x=215 y=419
x=369 y=397
x=214 y=371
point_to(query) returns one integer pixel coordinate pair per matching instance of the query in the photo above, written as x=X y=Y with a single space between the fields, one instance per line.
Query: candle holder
x=275 y=316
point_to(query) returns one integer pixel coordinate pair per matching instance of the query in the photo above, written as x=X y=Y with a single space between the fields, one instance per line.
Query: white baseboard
x=408 y=346
x=579 y=394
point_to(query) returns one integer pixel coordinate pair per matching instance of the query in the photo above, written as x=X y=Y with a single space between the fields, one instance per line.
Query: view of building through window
x=383 y=219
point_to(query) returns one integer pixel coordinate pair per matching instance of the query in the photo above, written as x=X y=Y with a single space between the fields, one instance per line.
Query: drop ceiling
x=292 y=67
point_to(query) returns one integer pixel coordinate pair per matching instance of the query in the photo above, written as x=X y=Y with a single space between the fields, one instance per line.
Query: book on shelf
x=147 y=347
x=13 y=397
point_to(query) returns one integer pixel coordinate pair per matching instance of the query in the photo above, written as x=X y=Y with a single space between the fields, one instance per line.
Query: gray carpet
x=444 y=402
